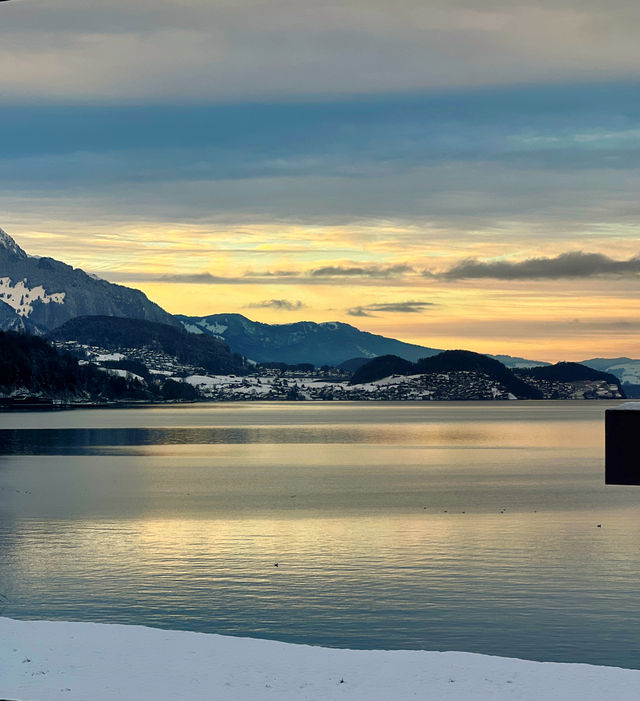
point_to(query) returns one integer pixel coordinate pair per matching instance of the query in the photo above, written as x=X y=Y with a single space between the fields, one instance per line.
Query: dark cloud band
x=567 y=265
x=408 y=307
x=278 y=304
x=362 y=271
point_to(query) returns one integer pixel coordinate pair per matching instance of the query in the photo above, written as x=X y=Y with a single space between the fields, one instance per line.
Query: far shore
x=51 y=405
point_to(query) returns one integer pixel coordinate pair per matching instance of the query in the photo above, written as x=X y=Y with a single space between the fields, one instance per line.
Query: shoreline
x=47 y=660
x=9 y=407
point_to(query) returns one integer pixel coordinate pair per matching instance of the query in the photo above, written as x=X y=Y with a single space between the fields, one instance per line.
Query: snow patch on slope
x=213 y=328
x=628 y=373
x=21 y=297
x=192 y=328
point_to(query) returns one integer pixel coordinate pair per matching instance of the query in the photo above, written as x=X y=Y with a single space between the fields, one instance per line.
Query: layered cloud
x=317 y=276
x=408 y=307
x=371 y=271
x=575 y=265
x=325 y=154
x=567 y=265
x=277 y=304
x=189 y=48
x=542 y=160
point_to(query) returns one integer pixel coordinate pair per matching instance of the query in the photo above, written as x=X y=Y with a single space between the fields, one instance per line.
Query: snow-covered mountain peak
x=40 y=294
x=10 y=245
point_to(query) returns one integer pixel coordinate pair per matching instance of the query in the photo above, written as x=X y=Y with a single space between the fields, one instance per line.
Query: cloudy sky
x=457 y=173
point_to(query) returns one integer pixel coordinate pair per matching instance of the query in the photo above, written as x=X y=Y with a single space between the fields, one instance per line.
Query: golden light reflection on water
x=300 y=414
x=462 y=527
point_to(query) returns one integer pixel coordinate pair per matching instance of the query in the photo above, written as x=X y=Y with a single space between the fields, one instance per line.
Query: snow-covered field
x=44 y=660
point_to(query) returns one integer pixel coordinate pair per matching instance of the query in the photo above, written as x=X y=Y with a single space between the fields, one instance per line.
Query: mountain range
x=328 y=343
x=39 y=294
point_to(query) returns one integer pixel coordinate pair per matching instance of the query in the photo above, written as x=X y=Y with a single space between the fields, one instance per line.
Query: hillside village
x=262 y=383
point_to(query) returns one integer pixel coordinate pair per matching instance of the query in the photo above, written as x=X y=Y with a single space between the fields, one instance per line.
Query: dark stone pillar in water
x=622 y=429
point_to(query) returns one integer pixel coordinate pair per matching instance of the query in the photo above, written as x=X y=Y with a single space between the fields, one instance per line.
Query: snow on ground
x=119 y=372
x=45 y=660
x=396 y=380
x=109 y=356
x=234 y=384
x=318 y=384
x=264 y=383
x=205 y=381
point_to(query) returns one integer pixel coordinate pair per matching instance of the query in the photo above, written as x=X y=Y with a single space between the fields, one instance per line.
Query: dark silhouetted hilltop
x=455 y=361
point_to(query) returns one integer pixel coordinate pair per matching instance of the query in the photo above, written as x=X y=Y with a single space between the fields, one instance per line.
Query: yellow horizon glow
x=539 y=324
x=254 y=262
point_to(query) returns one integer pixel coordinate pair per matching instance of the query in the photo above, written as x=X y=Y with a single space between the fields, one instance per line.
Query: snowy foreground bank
x=43 y=660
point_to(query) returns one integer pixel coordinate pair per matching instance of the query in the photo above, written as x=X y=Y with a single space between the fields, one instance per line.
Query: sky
x=454 y=173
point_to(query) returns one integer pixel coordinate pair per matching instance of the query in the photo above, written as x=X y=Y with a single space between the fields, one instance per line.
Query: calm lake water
x=440 y=526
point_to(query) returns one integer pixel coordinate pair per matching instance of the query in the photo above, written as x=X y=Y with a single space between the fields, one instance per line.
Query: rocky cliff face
x=38 y=294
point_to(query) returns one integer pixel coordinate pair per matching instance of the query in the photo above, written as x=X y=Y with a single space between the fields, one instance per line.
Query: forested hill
x=383 y=366
x=447 y=362
x=459 y=369
x=30 y=365
x=567 y=372
x=116 y=333
x=463 y=360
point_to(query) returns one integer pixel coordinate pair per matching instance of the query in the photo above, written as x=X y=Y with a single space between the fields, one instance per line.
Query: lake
x=438 y=526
